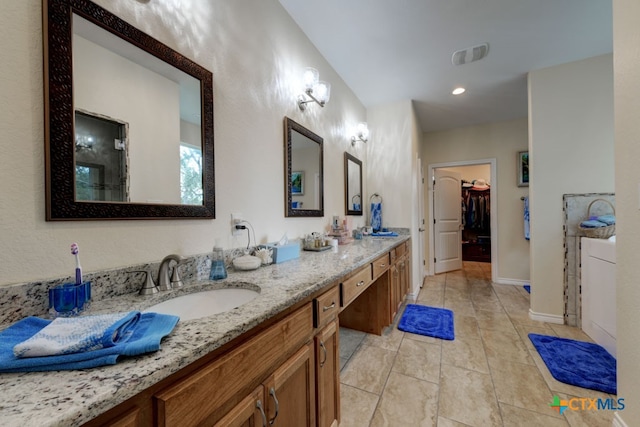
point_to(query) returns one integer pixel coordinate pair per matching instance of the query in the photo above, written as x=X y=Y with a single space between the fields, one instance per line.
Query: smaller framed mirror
x=303 y=171
x=352 y=185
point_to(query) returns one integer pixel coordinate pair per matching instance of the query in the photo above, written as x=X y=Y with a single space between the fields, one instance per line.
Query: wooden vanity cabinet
x=250 y=412
x=204 y=396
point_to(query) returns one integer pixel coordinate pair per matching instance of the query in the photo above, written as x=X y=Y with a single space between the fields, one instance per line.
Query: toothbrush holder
x=69 y=299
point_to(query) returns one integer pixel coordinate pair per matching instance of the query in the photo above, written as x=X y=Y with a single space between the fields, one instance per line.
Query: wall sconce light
x=84 y=142
x=318 y=91
x=362 y=134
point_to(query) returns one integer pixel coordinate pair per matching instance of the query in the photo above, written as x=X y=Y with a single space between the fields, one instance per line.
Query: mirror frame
x=289 y=126
x=59 y=118
x=347 y=203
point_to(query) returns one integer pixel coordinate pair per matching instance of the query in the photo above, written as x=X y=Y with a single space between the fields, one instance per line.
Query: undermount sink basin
x=205 y=303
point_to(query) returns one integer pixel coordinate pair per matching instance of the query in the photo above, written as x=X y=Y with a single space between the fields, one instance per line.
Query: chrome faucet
x=164 y=282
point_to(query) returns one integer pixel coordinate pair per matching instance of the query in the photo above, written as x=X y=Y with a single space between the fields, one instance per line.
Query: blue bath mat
x=577 y=363
x=429 y=321
x=527 y=288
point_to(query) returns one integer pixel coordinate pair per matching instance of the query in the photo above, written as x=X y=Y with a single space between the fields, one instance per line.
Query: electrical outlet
x=236 y=218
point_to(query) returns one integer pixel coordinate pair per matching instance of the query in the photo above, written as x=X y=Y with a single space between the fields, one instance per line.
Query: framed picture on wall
x=297 y=183
x=523 y=169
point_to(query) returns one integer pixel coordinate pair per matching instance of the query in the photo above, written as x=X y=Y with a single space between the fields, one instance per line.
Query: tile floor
x=490 y=375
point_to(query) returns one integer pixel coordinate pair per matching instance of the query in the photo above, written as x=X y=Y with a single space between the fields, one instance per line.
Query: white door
x=448 y=221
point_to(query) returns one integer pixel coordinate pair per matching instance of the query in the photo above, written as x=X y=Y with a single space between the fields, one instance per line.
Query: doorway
x=488 y=241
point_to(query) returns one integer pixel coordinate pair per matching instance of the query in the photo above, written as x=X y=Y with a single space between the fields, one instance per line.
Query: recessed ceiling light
x=458 y=91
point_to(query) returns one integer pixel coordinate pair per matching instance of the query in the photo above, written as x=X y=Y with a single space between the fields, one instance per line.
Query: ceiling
x=393 y=50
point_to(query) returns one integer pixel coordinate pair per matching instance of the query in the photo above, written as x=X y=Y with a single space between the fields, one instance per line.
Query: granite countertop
x=71 y=398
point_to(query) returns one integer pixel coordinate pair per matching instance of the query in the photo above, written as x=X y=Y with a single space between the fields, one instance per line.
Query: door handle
x=421 y=229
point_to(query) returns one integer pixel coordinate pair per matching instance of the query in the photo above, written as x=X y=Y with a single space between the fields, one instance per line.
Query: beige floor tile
x=446 y=422
x=496 y=321
x=488 y=305
x=349 y=341
x=468 y=397
x=570 y=332
x=356 y=406
x=518 y=417
x=457 y=294
x=462 y=307
x=521 y=385
x=407 y=401
x=419 y=360
x=588 y=417
x=390 y=339
x=368 y=368
x=423 y=338
x=431 y=297
x=465 y=326
x=505 y=346
x=467 y=353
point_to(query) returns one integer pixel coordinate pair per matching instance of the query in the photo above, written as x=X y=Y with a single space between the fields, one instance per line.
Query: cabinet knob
x=329 y=307
x=360 y=283
x=272 y=393
x=261 y=409
x=324 y=350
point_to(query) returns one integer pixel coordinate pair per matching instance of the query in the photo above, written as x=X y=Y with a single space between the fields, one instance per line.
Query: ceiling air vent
x=470 y=54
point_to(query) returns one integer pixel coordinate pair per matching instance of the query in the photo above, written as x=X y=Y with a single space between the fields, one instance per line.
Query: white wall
x=570 y=151
x=255 y=52
x=502 y=141
x=392 y=170
x=626 y=46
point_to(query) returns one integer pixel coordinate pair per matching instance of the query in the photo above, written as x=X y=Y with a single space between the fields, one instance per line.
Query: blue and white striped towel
x=376 y=216
x=527 y=229
x=67 y=335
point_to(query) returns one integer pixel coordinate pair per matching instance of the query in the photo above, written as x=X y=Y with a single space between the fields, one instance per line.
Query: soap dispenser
x=218 y=270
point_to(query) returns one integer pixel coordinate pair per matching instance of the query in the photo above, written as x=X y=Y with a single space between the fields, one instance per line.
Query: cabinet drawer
x=401 y=249
x=380 y=265
x=326 y=307
x=393 y=255
x=355 y=285
x=194 y=400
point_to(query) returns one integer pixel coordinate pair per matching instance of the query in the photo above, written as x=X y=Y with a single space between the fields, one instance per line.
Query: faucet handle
x=149 y=287
x=176 y=280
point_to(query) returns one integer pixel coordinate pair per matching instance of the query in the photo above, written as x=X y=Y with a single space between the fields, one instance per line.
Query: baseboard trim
x=516 y=282
x=545 y=317
x=617 y=421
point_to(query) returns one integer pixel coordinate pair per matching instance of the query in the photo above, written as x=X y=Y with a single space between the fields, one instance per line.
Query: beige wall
x=392 y=170
x=626 y=45
x=570 y=151
x=256 y=53
x=501 y=141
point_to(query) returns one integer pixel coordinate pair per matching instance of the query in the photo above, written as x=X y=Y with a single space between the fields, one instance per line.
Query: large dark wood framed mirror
x=352 y=185
x=128 y=121
x=303 y=171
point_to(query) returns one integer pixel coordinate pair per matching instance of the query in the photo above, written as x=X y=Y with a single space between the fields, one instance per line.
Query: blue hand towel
x=66 y=335
x=145 y=338
x=385 y=234
x=592 y=223
x=607 y=219
x=376 y=216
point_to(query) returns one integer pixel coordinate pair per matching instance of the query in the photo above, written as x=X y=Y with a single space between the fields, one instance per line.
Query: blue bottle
x=218 y=270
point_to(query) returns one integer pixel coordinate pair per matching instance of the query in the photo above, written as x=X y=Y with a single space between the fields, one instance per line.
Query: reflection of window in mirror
x=100 y=158
x=190 y=174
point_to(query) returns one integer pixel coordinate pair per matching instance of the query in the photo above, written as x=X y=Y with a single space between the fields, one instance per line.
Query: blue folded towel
x=607 y=219
x=145 y=338
x=66 y=335
x=376 y=216
x=385 y=234
x=592 y=223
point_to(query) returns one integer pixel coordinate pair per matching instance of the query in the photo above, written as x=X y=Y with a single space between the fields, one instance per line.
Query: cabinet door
x=248 y=413
x=328 y=376
x=291 y=391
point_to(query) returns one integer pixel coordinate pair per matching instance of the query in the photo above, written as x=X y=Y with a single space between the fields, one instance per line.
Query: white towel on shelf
x=527 y=232
x=66 y=335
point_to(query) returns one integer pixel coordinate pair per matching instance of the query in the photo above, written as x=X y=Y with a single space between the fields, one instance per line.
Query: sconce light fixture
x=318 y=91
x=362 y=134
x=84 y=142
